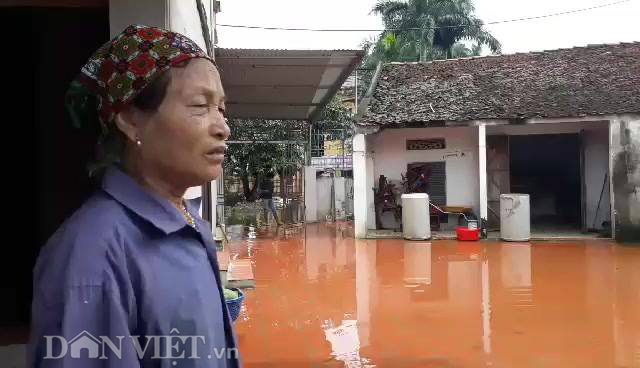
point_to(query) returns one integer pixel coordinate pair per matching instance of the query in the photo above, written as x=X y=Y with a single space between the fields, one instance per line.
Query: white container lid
x=415 y=195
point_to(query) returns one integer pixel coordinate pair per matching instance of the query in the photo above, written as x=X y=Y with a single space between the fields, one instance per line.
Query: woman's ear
x=125 y=121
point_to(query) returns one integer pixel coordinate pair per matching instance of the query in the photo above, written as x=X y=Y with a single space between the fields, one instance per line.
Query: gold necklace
x=186 y=214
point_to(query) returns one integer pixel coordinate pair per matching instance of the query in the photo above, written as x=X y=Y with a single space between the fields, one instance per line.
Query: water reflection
x=406 y=304
x=417 y=264
x=345 y=343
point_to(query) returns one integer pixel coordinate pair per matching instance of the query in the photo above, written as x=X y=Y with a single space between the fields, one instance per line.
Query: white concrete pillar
x=310 y=195
x=361 y=186
x=482 y=171
x=371 y=210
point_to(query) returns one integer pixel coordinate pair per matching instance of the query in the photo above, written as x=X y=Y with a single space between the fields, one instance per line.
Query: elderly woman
x=131 y=279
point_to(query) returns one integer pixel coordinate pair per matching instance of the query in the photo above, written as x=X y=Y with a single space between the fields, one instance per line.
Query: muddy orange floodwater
x=324 y=299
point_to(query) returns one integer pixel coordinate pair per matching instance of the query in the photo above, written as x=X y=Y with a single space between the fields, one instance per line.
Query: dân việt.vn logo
x=173 y=346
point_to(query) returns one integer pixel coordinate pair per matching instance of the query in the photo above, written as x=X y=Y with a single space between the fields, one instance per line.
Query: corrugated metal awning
x=283 y=84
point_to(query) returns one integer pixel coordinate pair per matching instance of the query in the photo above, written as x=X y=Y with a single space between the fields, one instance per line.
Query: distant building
x=562 y=126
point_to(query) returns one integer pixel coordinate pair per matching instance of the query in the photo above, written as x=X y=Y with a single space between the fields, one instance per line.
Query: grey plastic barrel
x=415 y=216
x=515 y=217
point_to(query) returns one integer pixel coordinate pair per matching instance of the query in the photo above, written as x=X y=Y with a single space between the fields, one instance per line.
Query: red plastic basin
x=465 y=234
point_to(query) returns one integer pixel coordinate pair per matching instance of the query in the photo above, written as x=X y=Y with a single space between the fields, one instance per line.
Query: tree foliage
x=256 y=158
x=335 y=116
x=253 y=160
x=442 y=28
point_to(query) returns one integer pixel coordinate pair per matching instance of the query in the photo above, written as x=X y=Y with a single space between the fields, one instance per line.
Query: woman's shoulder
x=90 y=242
x=101 y=215
x=97 y=224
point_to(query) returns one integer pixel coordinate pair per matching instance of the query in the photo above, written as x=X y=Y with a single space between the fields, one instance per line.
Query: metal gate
x=260 y=148
x=331 y=155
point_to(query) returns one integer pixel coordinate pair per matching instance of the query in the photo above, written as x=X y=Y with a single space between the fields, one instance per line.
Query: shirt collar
x=156 y=210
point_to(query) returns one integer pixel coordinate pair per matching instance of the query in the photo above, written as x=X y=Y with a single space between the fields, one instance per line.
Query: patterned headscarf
x=119 y=70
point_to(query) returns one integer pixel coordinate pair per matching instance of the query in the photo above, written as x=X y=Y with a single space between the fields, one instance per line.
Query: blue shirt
x=127 y=267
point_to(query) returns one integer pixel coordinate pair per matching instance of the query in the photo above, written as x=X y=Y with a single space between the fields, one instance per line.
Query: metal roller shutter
x=437 y=180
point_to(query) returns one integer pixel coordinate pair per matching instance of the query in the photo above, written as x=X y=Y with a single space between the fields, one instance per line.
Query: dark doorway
x=48 y=168
x=547 y=167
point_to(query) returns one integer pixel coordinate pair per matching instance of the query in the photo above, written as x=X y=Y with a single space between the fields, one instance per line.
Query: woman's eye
x=222 y=110
x=200 y=109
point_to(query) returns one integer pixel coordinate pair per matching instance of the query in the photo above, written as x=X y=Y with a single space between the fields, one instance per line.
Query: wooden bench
x=435 y=214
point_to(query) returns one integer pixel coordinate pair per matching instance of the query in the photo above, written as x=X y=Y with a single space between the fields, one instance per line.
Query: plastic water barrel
x=515 y=217
x=415 y=216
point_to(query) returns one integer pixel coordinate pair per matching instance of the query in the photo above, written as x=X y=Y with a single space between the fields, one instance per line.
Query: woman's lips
x=216 y=154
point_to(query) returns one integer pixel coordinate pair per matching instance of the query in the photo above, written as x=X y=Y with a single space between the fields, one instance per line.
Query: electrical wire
x=425 y=28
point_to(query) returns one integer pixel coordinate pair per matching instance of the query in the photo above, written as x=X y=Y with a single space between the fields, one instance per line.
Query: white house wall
x=625 y=171
x=544 y=128
x=390 y=158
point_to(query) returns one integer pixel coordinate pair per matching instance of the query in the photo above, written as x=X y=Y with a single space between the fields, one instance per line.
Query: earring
x=138 y=142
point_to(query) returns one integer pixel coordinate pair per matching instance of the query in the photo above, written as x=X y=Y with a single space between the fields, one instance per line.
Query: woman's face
x=183 y=141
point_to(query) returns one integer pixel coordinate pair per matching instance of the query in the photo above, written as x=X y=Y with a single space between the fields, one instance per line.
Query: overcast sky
x=617 y=23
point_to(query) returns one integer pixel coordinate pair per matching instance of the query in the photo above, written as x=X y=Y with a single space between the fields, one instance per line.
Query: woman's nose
x=220 y=129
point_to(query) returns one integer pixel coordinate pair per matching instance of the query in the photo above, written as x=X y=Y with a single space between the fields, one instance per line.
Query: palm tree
x=433 y=24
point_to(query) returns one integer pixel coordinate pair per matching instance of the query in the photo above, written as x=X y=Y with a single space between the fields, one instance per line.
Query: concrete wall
x=390 y=158
x=545 y=128
x=625 y=171
x=323 y=196
x=349 y=196
x=340 y=197
x=177 y=15
x=318 y=196
x=310 y=195
x=123 y=13
x=184 y=18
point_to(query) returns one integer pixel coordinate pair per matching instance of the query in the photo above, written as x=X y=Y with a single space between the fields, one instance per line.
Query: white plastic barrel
x=515 y=217
x=415 y=216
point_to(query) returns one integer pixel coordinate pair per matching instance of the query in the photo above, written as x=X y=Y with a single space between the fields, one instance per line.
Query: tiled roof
x=581 y=81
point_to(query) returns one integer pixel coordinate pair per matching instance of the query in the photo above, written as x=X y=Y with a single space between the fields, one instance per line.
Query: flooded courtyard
x=324 y=299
